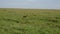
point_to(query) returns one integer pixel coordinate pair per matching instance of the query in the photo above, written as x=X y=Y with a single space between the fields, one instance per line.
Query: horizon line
x=32 y=8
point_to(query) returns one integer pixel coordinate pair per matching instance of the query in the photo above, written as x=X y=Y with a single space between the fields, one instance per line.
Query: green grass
x=29 y=21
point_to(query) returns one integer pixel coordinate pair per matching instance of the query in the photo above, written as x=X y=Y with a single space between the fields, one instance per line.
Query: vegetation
x=29 y=21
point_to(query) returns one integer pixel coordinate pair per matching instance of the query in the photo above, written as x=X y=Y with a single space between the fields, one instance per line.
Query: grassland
x=29 y=21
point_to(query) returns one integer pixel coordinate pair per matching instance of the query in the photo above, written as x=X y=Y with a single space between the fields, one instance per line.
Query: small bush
x=4 y=10
x=57 y=17
x=58 y=26
x=5 y=29
x=52 y=20
x=24 y=16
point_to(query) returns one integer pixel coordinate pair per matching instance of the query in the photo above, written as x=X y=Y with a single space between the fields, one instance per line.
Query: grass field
x=29 y=21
